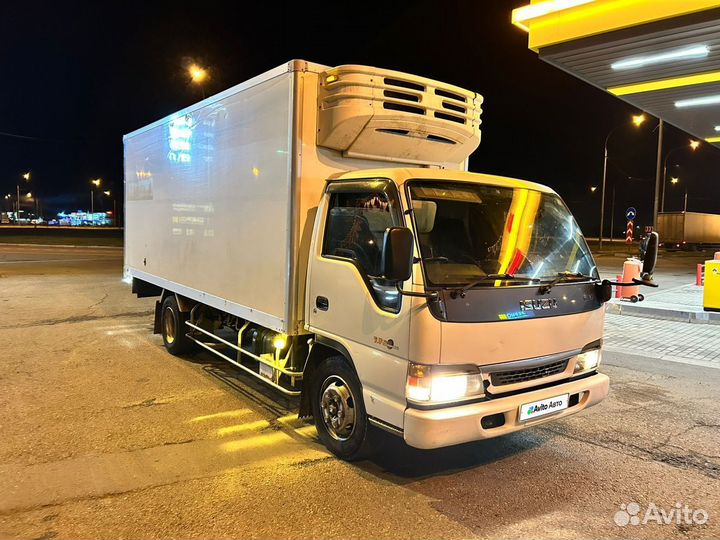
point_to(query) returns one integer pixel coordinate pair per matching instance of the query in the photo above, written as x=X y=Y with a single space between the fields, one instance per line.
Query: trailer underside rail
x=206 y=346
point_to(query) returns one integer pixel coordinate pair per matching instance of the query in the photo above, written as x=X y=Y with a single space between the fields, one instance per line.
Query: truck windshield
x=469 y=231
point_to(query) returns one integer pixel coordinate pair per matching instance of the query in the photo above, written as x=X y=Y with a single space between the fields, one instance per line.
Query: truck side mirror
x=397 y=254
x=603 y=291
x=650 y=255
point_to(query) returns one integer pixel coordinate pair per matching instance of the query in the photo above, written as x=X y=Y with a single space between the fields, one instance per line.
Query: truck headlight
x=588 y=360
x=442 y=384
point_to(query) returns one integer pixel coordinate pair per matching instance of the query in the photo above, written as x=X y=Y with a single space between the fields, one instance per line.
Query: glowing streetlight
x=29 y=195
x=197 y=74
x=95 y=182
x=674 y=180
x=107 y=193
x=694 y=144
x=26 y=176
x=593 y=189
x=638 y=119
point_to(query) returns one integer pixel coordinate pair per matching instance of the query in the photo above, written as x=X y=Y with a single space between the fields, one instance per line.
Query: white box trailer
x=218 y=195
x=685 y=230
x=316 y=227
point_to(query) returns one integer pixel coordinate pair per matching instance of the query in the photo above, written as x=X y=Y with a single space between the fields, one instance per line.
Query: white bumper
x=454 y=425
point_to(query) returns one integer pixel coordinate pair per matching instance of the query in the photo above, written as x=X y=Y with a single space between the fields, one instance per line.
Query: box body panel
x=208 y=197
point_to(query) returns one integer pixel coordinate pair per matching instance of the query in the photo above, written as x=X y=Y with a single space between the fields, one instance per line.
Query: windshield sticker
x=514 y=315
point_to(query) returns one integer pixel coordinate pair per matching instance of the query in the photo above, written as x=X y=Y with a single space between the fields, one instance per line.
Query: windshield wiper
x=460 y=291
x=564 y=276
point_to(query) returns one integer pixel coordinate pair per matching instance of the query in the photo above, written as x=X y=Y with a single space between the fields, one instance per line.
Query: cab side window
x=355 y=230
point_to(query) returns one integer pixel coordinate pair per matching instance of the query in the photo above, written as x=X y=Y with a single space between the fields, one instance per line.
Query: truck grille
x=501 y=378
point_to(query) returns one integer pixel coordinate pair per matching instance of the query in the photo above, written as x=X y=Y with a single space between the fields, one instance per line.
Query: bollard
x=699 y=274
x=618 y=293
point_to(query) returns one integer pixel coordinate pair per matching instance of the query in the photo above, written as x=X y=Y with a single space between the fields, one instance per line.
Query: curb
x=58 y=246
x=696 y=317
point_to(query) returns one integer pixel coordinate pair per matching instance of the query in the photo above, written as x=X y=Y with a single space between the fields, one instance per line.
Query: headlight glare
x=441 y=384
x=588 y=360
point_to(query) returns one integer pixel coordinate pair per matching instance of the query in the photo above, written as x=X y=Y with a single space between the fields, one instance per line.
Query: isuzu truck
x=317 y=227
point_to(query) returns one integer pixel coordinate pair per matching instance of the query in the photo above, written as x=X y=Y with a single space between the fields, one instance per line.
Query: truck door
x=348 y=303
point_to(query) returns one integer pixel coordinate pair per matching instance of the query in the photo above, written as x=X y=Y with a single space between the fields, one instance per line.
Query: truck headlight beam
x=443 y=384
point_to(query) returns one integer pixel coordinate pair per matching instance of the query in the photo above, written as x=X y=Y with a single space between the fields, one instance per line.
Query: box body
x=221 y=196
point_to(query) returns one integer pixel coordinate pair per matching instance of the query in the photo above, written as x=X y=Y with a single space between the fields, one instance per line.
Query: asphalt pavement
x=106 y=435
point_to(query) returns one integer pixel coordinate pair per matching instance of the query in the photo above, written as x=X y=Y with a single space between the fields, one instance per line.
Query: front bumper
x=454 y=425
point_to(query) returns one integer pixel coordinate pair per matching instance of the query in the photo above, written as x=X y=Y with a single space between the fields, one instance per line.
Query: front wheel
x=339 y=410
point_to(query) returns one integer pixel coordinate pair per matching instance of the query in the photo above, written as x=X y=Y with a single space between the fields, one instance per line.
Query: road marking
x=134 y=326
x=236 y=429
x=125 y=331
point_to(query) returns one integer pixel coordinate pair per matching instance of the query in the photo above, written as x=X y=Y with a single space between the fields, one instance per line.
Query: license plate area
x=544 y=407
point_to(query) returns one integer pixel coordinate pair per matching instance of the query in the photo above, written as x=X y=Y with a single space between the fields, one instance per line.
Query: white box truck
x=316 y=227
x=689 y=230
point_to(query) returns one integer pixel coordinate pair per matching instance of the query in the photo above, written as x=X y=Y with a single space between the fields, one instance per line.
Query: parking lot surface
x=106 y=435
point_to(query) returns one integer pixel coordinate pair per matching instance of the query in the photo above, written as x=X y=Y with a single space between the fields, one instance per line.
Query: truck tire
x=172 y=327
x=339 y=410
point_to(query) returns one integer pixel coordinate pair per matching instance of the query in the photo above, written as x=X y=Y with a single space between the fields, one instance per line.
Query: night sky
x=77 y=77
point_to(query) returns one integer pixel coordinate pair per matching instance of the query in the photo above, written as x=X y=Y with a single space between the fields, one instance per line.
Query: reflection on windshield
x=467 y=231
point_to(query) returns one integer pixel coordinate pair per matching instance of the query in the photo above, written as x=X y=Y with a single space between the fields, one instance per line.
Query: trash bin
x=711 y=294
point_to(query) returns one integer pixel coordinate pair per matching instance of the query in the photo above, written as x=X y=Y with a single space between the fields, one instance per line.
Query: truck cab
x=497 y=327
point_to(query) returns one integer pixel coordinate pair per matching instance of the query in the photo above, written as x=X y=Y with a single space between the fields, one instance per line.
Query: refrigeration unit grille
x=370 y=112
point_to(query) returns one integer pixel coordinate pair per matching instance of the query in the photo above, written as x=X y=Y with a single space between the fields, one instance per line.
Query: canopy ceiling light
x=696 y=51
x=698 y=102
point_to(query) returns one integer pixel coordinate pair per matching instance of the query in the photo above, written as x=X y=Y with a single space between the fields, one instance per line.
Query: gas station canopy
x=662 y=56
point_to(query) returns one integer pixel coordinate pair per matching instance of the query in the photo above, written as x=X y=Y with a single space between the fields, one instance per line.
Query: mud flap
x=158 y=312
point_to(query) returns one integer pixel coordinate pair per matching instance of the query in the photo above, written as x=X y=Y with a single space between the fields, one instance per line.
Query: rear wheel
x=172 y=324
x=339 y=410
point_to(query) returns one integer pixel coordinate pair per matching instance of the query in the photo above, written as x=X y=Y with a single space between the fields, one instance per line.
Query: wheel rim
x=337 y=405
x=169 y=325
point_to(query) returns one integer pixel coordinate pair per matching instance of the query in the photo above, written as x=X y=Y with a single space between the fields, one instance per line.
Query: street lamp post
x=694 y=145
x=26 y=177
x=674 y=181
x=637 y=120
x=612 y=214
x=96 y=182
x=656 y=198
x=108 y=193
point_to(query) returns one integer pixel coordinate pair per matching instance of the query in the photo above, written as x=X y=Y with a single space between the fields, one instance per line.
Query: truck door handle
x=322 y=303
